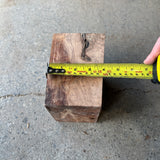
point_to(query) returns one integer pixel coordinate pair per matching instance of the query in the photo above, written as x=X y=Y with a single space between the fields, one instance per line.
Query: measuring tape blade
x=113 y=70
x=122 y=70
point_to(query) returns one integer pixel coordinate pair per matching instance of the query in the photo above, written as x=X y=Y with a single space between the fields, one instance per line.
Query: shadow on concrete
x=121 y=102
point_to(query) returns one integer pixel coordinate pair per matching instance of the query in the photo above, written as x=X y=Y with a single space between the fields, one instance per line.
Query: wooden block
x=75 y=99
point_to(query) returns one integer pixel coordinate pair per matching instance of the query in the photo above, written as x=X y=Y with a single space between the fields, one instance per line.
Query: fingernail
x=144 y=61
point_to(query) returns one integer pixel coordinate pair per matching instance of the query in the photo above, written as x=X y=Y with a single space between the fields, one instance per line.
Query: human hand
x=154 y=53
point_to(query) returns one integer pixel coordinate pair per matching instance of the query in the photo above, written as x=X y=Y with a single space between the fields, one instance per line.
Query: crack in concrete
x=21 y=95
x=116 y=91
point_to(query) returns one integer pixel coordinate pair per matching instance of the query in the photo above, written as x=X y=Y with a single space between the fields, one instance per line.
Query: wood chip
x=147 y=137
x=85 y=132
x=28 y=125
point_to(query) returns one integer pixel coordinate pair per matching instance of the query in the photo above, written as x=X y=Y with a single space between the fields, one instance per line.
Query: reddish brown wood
x=75 y=99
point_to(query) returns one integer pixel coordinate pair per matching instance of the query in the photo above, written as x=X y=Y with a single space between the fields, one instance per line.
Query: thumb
x=154 y=53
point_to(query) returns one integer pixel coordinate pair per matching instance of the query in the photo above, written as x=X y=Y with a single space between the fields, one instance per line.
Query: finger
x=154 y=53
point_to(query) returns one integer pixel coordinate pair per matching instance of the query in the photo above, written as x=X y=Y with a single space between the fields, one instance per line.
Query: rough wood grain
x=75 y=99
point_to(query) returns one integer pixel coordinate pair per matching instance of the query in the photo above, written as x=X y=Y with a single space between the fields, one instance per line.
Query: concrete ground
x=129 y=125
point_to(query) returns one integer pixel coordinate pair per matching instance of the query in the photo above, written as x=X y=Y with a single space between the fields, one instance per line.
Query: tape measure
x=113 y=70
